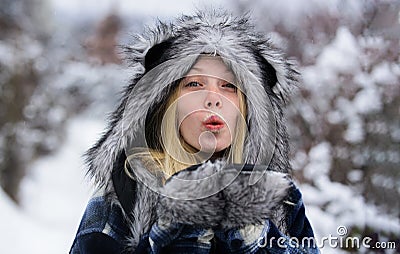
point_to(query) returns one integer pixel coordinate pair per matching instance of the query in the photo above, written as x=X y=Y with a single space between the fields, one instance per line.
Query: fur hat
x=166 y=52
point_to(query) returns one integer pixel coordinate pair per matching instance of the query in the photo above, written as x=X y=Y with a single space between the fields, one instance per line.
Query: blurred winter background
x=61 y=73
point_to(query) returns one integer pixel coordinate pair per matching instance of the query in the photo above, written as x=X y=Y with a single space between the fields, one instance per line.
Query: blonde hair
x=167 y=148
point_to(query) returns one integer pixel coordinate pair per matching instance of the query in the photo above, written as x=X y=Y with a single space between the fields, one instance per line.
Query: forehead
x=212 y=66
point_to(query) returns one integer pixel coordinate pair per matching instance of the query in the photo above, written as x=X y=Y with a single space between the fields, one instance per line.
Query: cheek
x=185 y=110
x=232 y=113
x=188 y=129
x=187 y=104
x=184 y=127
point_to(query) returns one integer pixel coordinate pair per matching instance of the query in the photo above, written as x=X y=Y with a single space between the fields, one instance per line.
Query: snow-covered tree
x=344 y=119
x=45 y=78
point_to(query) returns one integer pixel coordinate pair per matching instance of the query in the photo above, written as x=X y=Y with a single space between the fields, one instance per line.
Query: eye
x=193 y=84
x=230 y=86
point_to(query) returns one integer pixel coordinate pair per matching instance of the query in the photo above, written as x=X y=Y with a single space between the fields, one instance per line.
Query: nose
x=212 y=100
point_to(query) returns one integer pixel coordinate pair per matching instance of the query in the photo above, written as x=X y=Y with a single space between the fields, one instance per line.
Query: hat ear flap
x=268 y=72
x=157 y=54
x=278 y=73
x=147 y=49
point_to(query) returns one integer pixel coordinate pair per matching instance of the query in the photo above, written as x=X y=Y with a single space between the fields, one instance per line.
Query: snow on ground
x=54 y=196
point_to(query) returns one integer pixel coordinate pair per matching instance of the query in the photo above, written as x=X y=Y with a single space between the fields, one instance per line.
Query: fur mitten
x=192 y=197
x=248 y=203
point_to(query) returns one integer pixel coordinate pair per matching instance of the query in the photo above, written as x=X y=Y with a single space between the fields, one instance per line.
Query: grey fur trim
x=143 y=215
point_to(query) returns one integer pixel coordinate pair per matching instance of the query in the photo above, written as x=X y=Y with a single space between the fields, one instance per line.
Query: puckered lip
x=213 y=123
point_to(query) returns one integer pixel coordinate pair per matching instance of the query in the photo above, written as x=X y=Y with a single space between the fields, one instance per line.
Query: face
x=208 y=105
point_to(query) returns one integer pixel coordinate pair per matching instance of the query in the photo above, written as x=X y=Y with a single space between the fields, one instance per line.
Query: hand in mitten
x=251 y=204
x=192 y=197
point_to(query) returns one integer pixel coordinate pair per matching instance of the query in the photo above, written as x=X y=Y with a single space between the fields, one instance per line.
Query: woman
x=195 y=159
